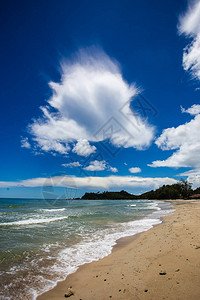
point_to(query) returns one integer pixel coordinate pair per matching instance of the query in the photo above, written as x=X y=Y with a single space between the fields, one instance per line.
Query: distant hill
x=122 y=195
x=180 y=190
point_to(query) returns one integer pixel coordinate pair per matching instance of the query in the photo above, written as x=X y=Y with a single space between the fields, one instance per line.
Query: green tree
x=186 y=188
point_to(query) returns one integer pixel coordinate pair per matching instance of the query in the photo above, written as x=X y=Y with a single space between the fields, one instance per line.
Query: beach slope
x=161 y=263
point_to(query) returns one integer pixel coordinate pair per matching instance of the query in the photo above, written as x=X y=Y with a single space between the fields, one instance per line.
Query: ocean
x=43 y=241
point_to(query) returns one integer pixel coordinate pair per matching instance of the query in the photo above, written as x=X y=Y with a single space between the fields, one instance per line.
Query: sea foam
x=52 y=209
x=33 y=221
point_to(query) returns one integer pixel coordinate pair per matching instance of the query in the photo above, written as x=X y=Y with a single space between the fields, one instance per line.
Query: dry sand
x=132 y=270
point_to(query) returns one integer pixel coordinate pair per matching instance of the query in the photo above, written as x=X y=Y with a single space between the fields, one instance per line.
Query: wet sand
x=161 y=263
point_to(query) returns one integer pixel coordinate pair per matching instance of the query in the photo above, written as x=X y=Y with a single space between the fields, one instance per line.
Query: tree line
x=180 y=190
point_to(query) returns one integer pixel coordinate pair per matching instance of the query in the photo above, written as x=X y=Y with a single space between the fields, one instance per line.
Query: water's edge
x=122 y=241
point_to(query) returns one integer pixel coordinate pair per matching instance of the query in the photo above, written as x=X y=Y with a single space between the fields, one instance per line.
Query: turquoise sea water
x=42 y=241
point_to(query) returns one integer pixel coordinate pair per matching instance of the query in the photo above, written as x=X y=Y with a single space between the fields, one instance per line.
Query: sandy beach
x=161 y=263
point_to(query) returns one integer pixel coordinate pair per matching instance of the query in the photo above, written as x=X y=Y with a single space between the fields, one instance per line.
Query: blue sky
x=98 y=95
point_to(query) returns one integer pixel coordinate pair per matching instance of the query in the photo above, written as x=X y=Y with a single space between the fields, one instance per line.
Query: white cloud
x=93 y=182
x=191 y=58
x=185 y=139
x=25 y=143
x=135 y=170
x=49 y=145
x=72 y=164
x=193 y=176
x=100 y=165
x=90 y=92
x=83 y=148
x=96 y=165
x=193 y=110
x=189 y=24
x=113 y=169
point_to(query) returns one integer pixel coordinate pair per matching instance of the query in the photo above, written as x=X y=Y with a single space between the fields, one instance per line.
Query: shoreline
x=123 y=238
x=131 y=271
x=120 y=244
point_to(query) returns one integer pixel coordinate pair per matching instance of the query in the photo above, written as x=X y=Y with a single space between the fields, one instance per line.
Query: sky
x=98 y=95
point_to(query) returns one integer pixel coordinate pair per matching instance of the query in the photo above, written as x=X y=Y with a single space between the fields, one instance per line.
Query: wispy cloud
x=93 y=182
x=189 y=25
x=90 y=92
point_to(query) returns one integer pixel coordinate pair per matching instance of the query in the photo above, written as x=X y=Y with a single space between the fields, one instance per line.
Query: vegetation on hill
x=180 y=190
x=109 y=195
x=197 y=191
